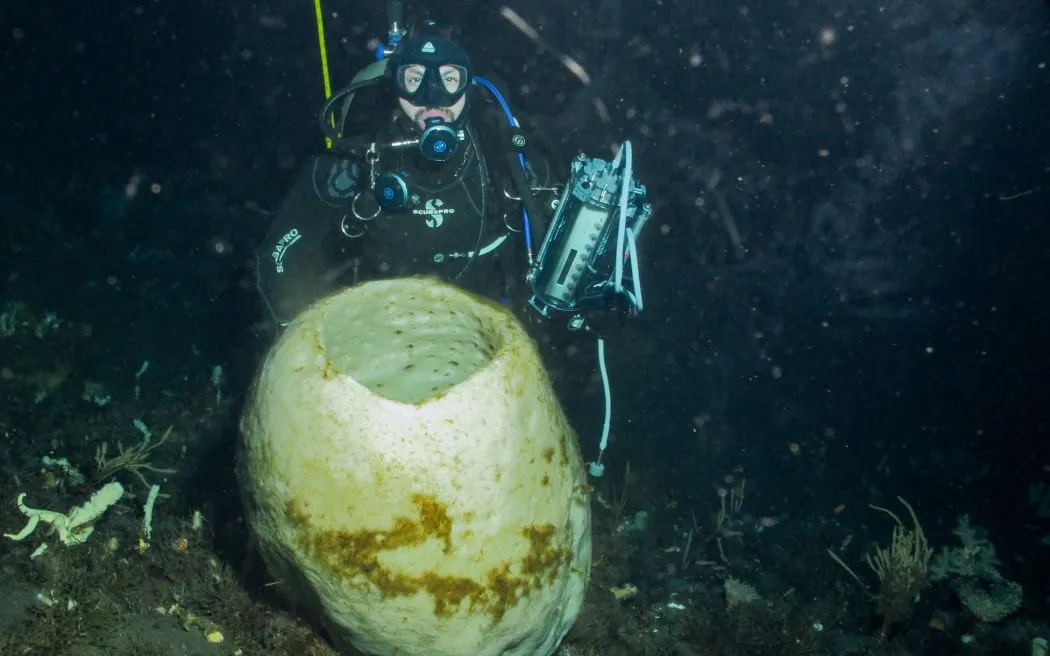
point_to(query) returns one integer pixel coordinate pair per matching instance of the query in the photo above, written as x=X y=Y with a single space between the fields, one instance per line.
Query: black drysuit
x=464 y=227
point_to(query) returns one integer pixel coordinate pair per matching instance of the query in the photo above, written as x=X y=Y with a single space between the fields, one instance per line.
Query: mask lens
x=453 y=78
x=410 y=78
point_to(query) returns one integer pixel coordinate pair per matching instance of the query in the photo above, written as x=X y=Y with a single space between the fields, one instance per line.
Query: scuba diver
x=429 y=189
x=434 y=175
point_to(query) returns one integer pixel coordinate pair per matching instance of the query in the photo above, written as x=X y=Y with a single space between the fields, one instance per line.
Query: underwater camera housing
x=588 y=260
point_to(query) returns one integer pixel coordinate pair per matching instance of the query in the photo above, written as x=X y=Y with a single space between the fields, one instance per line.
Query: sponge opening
x=409 y=346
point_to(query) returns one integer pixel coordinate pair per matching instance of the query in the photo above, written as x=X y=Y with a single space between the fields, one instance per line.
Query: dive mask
x=427 y=84
x=431 y=71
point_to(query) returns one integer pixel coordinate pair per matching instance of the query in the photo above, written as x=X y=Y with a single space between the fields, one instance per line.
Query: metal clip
x=372 y=157
x=350 y=230
x=357 y=213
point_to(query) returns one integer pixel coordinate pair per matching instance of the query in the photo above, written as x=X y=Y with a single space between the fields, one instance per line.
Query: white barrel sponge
x=410 y=476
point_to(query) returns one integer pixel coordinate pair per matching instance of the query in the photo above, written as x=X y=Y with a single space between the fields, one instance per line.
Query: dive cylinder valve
x=396 y=32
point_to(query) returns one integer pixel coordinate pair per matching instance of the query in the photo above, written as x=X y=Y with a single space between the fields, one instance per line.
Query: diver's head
x=432 y=77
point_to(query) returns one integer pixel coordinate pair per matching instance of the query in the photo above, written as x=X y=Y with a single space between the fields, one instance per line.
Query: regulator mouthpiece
x=439 y=140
